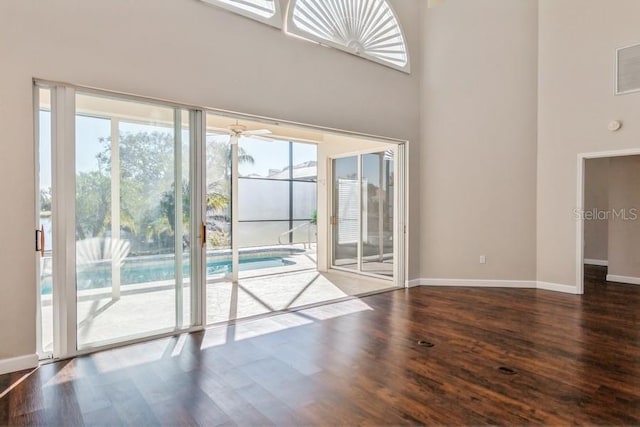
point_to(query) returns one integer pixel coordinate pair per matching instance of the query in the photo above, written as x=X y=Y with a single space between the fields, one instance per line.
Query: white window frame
x=275 y=20
x=292 y=29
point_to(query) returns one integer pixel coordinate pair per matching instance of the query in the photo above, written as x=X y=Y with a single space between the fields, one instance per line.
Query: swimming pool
x=146 y=269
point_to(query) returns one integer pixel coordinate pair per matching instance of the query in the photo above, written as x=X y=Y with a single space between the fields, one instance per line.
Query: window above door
x=366 y=28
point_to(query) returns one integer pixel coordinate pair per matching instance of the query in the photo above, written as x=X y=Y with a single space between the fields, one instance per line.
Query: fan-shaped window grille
x=367 y=28
x=267 y=11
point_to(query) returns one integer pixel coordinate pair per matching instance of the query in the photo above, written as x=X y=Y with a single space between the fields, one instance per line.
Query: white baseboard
x=623 y=279
x=19 y=363
x=413 y=283
x=558 y=287
x=473 y=283
x=600 y=262
x=526 y=284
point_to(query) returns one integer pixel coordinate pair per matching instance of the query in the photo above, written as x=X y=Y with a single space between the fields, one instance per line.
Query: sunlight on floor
x=139 y=311
x=260 y=295
x=217 y=336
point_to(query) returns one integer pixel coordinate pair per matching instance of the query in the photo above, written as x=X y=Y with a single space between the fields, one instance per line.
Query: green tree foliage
x=147 y=192
x=93 y=204
x=168 y=206
x=146 y=174
x=219 y=160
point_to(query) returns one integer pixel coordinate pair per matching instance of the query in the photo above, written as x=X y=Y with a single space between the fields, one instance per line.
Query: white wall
x=185 y=51
x=478 y=156
x=596 y=199
x=504 y=98
x=577 y=42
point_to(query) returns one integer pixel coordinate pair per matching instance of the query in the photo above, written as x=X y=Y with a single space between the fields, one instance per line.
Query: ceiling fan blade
x=260 y=137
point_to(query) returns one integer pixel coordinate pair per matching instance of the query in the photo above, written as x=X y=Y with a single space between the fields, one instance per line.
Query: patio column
x=235 y=247
x=178 y=227
x=115 y=208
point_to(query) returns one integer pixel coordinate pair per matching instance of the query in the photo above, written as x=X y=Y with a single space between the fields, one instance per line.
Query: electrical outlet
x=483 y=259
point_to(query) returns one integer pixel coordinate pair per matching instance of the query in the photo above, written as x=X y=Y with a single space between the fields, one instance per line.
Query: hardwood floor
x=576 y=361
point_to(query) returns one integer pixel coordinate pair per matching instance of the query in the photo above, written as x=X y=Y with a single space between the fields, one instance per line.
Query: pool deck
x=151 y=307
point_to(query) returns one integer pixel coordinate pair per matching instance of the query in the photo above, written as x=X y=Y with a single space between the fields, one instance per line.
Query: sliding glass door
x=132 y=219
x=377 y=208
x=147 y=213
x=118 y=208
x=363 y=225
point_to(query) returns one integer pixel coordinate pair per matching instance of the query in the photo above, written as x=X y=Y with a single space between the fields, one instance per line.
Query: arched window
x=267 y=11
x=367 y=28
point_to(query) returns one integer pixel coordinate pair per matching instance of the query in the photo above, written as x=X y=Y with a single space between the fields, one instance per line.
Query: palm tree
x=219 y=164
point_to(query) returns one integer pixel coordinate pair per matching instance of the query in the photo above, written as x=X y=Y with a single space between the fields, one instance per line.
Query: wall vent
x=628 y=69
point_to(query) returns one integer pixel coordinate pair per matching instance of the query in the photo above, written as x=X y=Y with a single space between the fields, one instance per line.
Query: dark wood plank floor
x=576 y=361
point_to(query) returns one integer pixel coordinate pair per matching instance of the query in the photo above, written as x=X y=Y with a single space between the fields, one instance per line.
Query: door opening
x=609 y=220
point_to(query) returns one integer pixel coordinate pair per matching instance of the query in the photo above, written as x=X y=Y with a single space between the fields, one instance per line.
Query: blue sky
x=89 y=130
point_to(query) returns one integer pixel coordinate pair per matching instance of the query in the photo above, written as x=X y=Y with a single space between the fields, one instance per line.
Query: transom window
x=367 y=28
x=267 y=11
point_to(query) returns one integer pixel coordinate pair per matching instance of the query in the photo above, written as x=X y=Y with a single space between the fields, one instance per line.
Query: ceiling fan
x=237 y=130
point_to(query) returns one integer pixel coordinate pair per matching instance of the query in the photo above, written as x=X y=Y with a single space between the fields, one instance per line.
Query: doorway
x=608 y=219
x=260 y=218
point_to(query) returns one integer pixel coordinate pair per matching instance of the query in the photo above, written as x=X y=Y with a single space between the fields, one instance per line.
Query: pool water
x=223 y=267
x=146 y=269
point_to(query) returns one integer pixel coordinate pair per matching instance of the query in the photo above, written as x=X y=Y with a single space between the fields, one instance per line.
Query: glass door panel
x=132 y=237
x=45 y=222
x=363 y=223
x=346 y=213
x=182 y=228
x=377 y=213
x=218 y=205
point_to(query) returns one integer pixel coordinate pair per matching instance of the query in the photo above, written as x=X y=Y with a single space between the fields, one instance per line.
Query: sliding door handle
x=40 y=241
